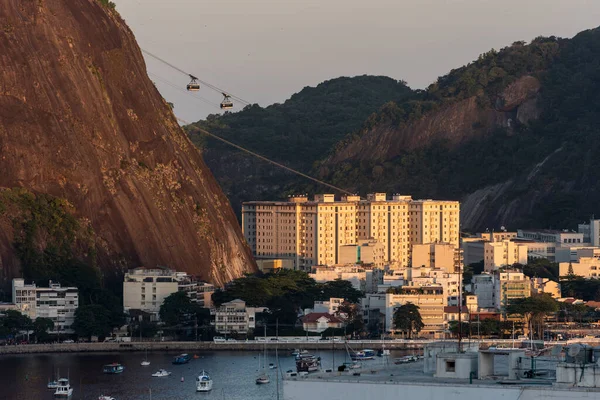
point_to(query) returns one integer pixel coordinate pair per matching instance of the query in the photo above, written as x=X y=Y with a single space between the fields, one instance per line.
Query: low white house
x=318 y=322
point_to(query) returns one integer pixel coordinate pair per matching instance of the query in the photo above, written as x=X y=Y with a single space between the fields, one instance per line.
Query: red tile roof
x=313 y=317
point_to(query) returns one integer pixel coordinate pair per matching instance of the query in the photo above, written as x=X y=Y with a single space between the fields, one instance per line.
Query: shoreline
x=194 y=346
x=245 y=346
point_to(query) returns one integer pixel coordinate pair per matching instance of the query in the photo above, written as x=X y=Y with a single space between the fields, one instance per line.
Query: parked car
x=68 y=341
x=219 y=339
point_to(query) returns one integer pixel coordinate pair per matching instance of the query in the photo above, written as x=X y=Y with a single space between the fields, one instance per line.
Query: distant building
x=320 y=321
x=543 y=285
x=234 y=317
x=483 y=287
x=54 y=302
x=364 y=278
x=503 y=254
x=145 y=289
x=330 y=306
x=367 y=251
x=497 y=236
x=587 y=267
x=272 y=265
x=434 y=255
x=564 y=237
x=509 y=285
x=318 y=232
x=591 y=232
x=431 y=302
x=451 y=314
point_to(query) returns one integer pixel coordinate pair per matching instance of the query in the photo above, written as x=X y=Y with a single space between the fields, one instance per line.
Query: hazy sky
x=263 y=51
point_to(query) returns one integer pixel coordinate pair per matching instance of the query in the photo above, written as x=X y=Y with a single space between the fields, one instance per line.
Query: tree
x=407 y=319
x=14 y=322
x=177 y=309
x=533 y=310
x=92 y=320
x=341 y=289
x=353 y=316
x=41 y=326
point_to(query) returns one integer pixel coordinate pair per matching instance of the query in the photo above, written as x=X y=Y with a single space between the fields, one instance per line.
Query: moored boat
x=203 y=382
x=308 y=363
x=160 y=373
x=363 y=355
x=114 y=368
x=103 y=397
x=262 y=379
x=182 y=359
x=64 y=389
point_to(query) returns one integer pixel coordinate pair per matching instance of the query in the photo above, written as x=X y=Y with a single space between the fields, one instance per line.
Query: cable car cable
x=174 y=86
x=215 y=88
x=268 y=160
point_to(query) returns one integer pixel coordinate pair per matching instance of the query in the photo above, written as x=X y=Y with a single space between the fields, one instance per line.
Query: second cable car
x=193 y=86
x=226 y=103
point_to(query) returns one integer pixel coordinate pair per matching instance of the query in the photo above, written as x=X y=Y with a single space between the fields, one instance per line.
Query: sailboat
x=145 y=363
x=263 y=378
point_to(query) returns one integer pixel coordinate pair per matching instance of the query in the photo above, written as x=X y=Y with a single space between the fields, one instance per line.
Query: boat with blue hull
x=114 y=368
x=182 y=359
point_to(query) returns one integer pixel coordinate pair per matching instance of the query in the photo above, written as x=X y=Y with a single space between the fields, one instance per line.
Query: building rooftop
x=314 y=317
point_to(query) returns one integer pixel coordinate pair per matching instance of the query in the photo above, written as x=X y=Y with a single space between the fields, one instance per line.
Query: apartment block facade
x=313 y=232
x=54 y=302
x=146 y=289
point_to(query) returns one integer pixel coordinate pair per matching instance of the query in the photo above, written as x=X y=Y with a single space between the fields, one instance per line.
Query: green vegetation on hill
x=563 y=191
x=297 y=132
x=306 y=126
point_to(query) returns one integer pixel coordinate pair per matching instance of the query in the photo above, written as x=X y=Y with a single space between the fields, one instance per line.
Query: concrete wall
x=361 y=390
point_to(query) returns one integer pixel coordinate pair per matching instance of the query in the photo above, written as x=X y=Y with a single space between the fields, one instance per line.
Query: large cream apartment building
x=312 y=232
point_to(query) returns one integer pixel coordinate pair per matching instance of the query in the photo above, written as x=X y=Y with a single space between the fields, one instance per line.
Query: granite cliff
x=83 y=128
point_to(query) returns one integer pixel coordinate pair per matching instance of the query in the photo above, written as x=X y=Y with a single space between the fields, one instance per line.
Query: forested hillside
x=514 y=135
x=297 y=132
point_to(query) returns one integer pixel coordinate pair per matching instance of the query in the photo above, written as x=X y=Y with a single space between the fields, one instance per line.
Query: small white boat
x=262 y=379
x=299 y=352
x=203 y=382
x=145 y=363
x=64 y=389
x=161 y=373
x=103 y=397
x=272 y=366
x=52 y=384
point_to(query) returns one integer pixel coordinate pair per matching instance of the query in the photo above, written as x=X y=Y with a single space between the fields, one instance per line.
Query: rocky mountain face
x=81 y=123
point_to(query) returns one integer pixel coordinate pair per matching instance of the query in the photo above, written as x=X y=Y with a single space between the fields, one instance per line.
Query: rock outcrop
x=455 y=123
x=81 y=120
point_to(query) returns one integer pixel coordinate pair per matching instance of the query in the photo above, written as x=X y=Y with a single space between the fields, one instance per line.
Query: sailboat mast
x=277 y=357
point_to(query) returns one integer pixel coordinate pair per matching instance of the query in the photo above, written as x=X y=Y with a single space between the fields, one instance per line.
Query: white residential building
x=146 y=289
x=234 y=317
x=587 y=267
x=318 y=232
x=435 y=277
x=431 y=302
x=503 y=254
x=483 y=287
x=54 y=302
x=330 y=306
x=362 y=277
x=564 y=237
x=434 y=255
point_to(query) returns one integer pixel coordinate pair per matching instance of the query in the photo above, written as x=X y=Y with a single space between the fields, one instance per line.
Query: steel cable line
x=215 y=88
x=166 y=82
x=268 y=160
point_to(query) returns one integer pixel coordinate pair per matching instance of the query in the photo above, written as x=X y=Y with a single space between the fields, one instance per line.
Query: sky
x=263 y=51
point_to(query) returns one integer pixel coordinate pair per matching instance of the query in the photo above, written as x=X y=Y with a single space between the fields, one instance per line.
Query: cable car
x=193 y=86
x=226 y=103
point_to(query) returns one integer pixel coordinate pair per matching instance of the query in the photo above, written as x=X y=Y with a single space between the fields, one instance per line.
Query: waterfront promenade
x=250 y=345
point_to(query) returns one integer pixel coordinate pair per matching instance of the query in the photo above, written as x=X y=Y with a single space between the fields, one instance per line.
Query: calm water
x=233 y=374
